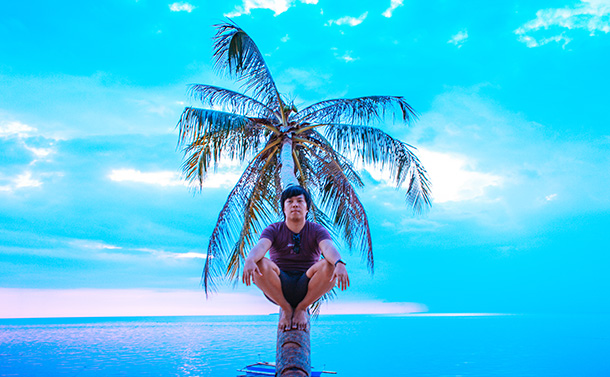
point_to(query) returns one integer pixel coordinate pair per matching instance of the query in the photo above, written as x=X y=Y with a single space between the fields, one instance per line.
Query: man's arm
x=256 y=254
x=331 y=254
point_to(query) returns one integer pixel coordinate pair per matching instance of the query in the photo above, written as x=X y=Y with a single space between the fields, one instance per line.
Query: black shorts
x=294 y=286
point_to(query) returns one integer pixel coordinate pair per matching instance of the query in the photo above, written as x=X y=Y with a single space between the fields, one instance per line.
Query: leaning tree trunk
x=293 y=353
x=293 y=356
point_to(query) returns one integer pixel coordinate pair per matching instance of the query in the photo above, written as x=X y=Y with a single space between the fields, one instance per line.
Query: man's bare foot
x=299 y=319
x=285 y=319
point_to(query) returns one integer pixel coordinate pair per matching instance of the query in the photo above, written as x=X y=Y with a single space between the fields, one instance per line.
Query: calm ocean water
x=352 y=345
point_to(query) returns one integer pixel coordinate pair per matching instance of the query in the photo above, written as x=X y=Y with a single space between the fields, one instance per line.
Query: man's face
x=295 y=208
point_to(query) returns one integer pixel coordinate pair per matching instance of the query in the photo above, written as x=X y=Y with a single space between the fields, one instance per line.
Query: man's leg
x=271 y=286
x=320 y=283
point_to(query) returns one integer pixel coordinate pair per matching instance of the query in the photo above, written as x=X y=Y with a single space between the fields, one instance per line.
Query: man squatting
x=294 y=276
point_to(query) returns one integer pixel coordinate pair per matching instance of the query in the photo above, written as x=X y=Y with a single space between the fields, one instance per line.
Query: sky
x=513 y=129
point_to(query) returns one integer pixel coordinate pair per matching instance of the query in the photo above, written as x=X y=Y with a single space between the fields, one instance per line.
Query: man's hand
x=256 y=254
x=250 y=268
x=341 y=275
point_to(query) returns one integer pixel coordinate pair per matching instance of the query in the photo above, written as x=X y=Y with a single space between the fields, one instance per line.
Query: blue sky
x=513 y=129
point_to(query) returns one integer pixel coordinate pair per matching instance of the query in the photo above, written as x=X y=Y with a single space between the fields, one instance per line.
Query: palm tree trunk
x=287 y=175
x=293 y=351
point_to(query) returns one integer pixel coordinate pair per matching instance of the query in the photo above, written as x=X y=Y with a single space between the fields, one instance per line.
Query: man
x=295 y=277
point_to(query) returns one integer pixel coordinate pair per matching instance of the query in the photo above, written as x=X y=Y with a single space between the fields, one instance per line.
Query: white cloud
x=114 y=112
x=347 y=57
x=531 y=42
x=590 y=15
x=454 y=177
x=277 y=6
x=12 y=129
x=551 y=197
x=173 y=255
x=285 y=38
x=155 y=106
x=51 y=303
x=161 y=178
x=40 y=152
x=121 y=251
x=21 y=132
x=459 y=39
x=181 y=7
x=372 y=307
x=86 y=244
x=393 y=5
x=495 y=158
x=172 y=178
x=189 y=255
x=347 y=20
x=458 y=314
x=408 y=224
x=24 y=180
x=308 y=79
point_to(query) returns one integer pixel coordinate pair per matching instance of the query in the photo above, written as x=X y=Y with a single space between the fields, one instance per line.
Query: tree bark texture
x=293 y=353
x=287 y=175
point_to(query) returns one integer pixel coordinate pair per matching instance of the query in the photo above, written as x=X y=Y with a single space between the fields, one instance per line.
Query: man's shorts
x=294 y=286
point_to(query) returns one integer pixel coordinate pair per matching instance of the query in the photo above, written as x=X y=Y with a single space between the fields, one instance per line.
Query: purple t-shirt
x=281 y=251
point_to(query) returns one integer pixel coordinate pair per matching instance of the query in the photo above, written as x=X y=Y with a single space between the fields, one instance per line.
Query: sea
x=351 y=345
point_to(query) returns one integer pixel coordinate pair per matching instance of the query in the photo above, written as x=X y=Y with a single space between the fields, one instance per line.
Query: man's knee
x=322 y=267
x=266 y=267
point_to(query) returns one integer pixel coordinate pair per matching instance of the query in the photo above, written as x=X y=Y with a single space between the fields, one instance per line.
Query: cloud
x=551 y=197
x=181 y=7
x=23 y=180
x=411 y=225
x=171 y=178
x=347 y=20
x=494 y=166
x=50 y=303
x=459 y=314
x=161 y=178
x=346 y=56
x=173 y=255
x=590 y=15
x=189 y=255
x=305 y=78
x=459 y=39
x=19 y=136
x=15 y=129
x=372 y=307
x=63 y=106
x=394 y=4
x=127 y=250
x=481 y=156
x=39 y=152
x=96 y=245
x=454 y=178
x=531 y=42
x=277 y=6
x=156 y=107
x=21 y=132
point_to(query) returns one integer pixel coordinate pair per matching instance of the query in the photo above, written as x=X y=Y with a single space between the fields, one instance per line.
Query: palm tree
x=313 y=147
